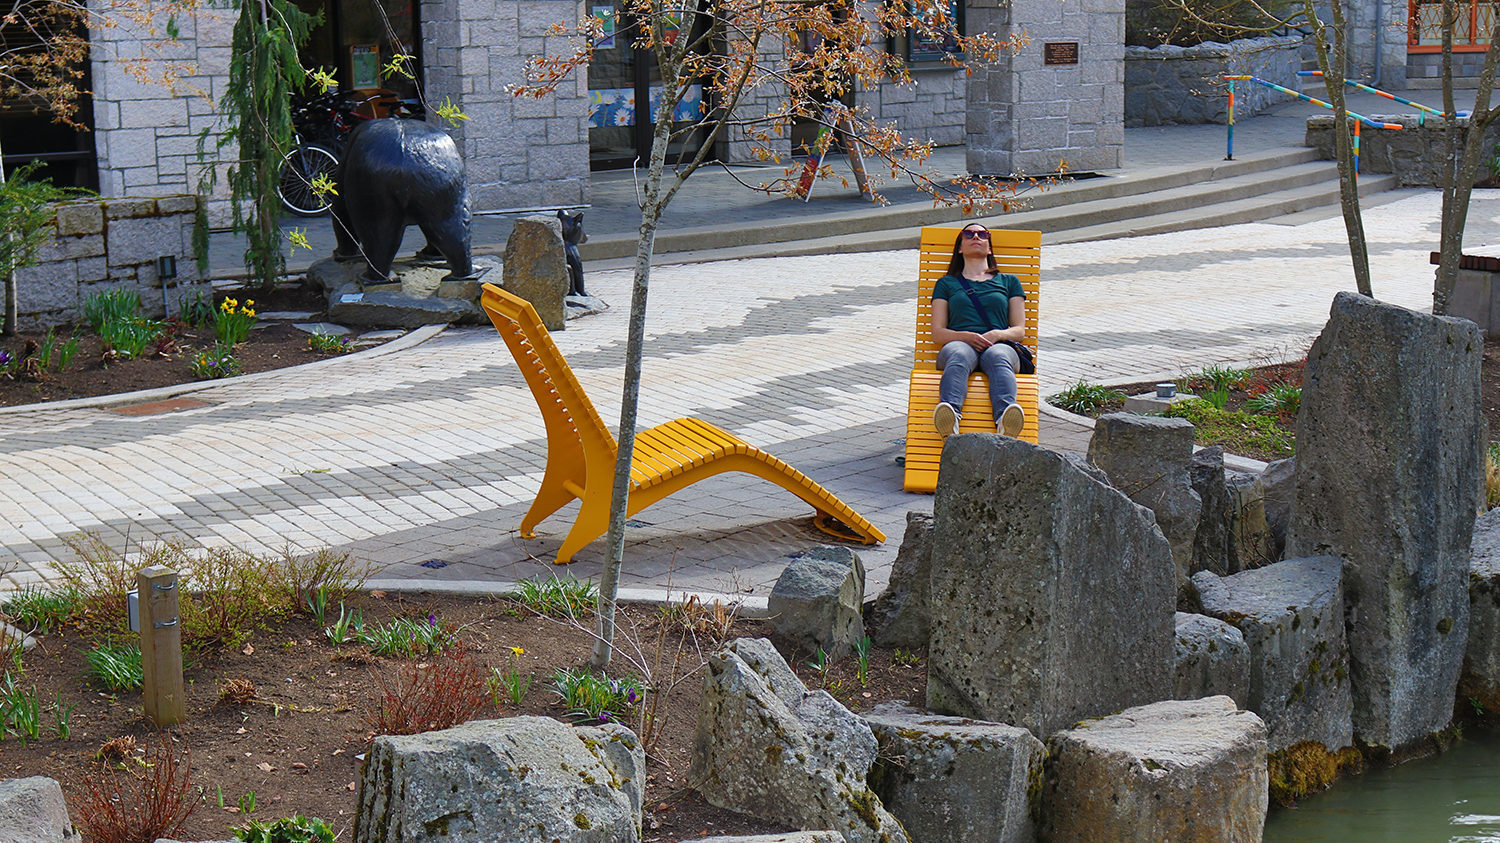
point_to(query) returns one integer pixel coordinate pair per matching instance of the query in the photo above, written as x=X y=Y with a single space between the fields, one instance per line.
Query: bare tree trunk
x=1333 y=68
x=1459 y=171
x=651 y=209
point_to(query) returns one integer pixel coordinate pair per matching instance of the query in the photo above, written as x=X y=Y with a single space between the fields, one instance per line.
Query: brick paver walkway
x=431 y=454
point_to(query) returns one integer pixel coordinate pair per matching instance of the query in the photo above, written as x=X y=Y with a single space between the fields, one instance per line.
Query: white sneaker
x=945 y=419
x=1012 y=420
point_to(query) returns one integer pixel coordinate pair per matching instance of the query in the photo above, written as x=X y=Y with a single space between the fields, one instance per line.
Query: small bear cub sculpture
x=572 y=235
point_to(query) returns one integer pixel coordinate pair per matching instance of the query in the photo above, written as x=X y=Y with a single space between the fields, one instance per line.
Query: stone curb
x=750 y=606
x=413 y=338
x=1231 y=461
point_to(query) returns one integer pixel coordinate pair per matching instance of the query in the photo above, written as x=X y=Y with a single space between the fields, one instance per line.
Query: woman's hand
x=979 y=342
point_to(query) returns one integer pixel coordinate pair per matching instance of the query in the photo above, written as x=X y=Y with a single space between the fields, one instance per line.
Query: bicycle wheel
x=299 y=168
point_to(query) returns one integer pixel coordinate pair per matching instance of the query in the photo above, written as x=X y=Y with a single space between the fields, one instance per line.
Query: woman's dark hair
x=956 y=266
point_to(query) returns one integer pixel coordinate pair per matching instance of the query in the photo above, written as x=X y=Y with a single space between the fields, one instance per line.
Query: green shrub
x=1239 y=432
x=1087 y=399
x=298 y=829
x=26 y=216
x=214 y=363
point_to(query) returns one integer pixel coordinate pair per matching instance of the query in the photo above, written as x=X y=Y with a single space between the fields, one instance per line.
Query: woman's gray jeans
x=957 y=361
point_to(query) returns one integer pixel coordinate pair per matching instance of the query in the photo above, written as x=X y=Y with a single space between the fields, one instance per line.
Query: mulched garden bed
x=1262 y=377
x=271 y=345
x=294 y=745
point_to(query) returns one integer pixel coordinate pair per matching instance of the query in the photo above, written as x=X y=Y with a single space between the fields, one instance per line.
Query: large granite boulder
x=536 y=269
x=1279 y=487
x=521 y=778
x=1251 y=544
x=1291 y=614
x=774 y=750
x=1148 y=458
x=33 y=810
x=818 y=601
x=1052 y=593
x=953 y=779
x=1481 y=674
x=898 y=617
x=1389 y=471
x=1212 y=660
x=1175 y=770
x=1211 y=541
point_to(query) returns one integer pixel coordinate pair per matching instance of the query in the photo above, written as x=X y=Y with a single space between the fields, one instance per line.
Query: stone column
x=519 y=152
x=1026 y=116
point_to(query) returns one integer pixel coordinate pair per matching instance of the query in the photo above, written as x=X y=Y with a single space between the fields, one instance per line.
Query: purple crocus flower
x=431 y=619
x=5 y=358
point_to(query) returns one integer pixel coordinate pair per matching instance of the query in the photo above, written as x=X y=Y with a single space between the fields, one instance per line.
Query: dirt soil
x=271 y=345
x=296 y=744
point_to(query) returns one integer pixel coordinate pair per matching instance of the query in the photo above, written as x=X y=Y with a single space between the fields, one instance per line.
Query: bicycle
x=322 y=125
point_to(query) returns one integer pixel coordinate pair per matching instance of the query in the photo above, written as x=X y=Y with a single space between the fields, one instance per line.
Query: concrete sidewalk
x=714 y=198
x=425 y=459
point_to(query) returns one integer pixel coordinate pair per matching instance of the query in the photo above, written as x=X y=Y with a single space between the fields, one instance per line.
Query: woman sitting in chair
x=976 y=310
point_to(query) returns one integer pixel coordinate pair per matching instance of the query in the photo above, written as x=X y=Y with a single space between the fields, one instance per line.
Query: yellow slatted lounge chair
x=581 y=452
x=1016 y=252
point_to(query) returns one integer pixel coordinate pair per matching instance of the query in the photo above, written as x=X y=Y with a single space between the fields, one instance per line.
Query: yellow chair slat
x=581 y=452
x=1016 y=252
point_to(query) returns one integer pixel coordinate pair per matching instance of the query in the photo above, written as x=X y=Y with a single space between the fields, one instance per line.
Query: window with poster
x=621 y=77
x=918 y=47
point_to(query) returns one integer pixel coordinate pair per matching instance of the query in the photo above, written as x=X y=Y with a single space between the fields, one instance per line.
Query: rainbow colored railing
x=1359 y=119
x=1422 y=110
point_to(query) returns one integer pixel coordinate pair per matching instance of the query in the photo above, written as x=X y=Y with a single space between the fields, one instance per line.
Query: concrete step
x=1104 y=189
x=1298 y=194
x=1323 y=194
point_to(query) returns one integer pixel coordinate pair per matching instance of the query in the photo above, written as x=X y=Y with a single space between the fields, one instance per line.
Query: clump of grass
x=40 y=610
x=598 y=698
x=1088 y=399
x=1279 y=399
x=408 y=637
x=1218 y=377
x=117 y=666
x=115 y=317
x=557 y=597
x=1239 y=432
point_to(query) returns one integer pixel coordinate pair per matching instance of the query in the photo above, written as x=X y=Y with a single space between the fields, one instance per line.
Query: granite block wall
x=519 y=152
x=1167 y=84
x=1025 y=116
x=106 y=244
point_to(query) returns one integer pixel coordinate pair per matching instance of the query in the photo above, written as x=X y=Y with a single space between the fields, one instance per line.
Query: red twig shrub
x=137 y=801
x=427 y=696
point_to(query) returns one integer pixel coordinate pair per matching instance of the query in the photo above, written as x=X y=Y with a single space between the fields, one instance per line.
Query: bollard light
x=166 y=266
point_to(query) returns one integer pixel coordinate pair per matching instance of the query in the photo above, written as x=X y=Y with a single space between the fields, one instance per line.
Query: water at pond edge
x=1454 y=796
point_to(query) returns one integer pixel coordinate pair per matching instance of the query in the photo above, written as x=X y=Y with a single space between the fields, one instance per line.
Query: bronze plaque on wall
x=1060 y=52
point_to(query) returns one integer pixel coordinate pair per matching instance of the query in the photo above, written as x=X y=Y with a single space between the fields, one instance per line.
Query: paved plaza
x=424 y=458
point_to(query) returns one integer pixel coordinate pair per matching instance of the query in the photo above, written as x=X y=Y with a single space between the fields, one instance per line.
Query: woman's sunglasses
x=976 y=234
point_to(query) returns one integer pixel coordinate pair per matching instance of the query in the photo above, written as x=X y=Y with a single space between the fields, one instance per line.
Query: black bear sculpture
x=572 y=235
x=394 y=173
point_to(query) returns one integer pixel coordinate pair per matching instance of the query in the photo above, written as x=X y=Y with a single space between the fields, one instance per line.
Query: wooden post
x=161 y=645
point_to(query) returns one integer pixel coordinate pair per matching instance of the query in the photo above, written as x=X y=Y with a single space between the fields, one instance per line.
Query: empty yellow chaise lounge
x=581 y=452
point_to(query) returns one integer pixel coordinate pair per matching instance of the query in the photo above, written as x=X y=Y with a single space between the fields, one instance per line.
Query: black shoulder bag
x=1028 y=364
